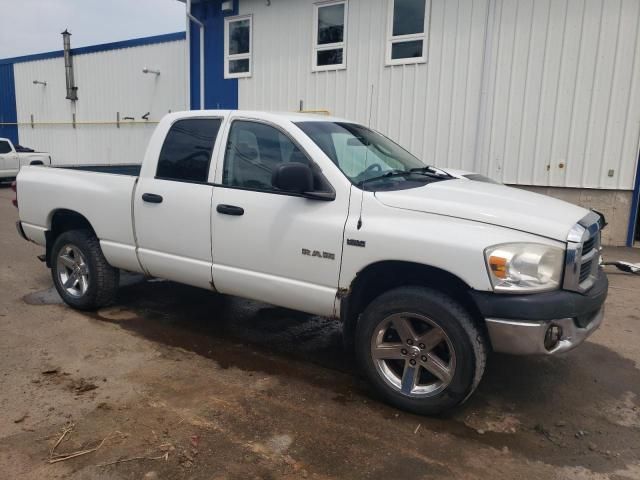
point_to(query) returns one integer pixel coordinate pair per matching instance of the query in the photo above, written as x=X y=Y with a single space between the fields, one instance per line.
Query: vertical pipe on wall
x=72 y=90
x=187 y=62
x=190 y=17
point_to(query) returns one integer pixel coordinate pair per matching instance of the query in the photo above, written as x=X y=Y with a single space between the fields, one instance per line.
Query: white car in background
x=12 y=158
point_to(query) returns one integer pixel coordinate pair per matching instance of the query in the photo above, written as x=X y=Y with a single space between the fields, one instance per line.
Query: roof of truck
x=319 y=116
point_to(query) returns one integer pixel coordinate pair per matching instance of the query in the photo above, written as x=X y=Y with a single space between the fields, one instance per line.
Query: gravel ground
x=174 y=382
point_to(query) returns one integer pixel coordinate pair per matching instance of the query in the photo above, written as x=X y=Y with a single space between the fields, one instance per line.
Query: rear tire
x=420 y=349
x=80 y=273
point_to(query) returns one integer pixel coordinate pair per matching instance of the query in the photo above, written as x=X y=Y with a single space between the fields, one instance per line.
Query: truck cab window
x=186 y=151
x=254 y=150
x=4 y=147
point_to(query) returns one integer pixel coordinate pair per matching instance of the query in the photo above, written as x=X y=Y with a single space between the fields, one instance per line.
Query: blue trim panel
x=635 y=204
x=220 y=93
x=8 y=111
x=136 y=42
x=194 y=64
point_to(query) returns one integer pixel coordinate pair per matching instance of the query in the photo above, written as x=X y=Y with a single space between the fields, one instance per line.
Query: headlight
x=524 y=267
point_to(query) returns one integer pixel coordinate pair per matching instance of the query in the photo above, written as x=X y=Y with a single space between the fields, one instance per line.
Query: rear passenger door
x=172 y=210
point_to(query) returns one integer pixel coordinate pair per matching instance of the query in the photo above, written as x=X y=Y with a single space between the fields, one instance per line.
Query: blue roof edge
x=103 y=47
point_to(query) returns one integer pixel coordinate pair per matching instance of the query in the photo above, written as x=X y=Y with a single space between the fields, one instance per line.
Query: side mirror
x=293 y=177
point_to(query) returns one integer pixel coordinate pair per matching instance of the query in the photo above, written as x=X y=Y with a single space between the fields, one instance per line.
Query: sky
x=34 y=26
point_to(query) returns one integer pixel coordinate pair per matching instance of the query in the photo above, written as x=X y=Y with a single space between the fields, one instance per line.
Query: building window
x=237 y=46
x=186 y=151
x=329 y=36
x=407 y=31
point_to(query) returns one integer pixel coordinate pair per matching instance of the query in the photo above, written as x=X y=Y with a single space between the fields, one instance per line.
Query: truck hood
x=490 y=203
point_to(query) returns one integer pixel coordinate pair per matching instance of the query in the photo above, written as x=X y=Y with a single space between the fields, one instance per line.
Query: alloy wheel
x=73 y=270
x=413 y=354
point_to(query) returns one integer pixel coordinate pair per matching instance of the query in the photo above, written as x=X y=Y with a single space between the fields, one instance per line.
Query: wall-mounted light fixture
x=227 y=6
x=39 y=82
x=149 y=70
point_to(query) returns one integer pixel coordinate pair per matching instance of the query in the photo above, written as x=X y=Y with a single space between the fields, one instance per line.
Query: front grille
x=588 y=245
x=583 y=254
x=585 y=270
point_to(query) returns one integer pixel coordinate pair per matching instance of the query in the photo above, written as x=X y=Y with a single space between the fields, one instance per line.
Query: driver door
x=270 y=245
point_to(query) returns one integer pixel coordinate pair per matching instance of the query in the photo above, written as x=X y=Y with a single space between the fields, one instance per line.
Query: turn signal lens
x=498 y=266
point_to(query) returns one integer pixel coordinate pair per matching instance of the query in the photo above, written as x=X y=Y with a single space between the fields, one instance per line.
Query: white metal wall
x=564 y=93
x=108 y=82
x=432 y=109
x=531 y=92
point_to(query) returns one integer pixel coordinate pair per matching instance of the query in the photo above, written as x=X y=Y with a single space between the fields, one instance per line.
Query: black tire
x=103 y=279
x=462 y=335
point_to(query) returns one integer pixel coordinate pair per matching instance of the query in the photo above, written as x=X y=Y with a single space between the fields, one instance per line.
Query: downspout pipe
x=190 y=17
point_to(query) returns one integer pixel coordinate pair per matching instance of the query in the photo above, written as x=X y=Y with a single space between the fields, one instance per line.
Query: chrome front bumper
x=528 y=337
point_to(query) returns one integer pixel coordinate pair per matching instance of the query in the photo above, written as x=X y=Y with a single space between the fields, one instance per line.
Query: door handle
x=230 y=210
x=151 y=198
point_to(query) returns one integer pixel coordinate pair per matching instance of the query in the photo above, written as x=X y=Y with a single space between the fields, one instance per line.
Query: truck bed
x=132 y=170
x=100 y=193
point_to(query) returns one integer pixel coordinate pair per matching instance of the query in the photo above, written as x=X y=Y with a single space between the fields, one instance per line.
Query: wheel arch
x=60 y=221
x=380 y=277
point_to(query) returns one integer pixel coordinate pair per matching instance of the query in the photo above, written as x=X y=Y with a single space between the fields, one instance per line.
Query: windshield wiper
x=426 y=171
x=388 y=174
x=431 y=171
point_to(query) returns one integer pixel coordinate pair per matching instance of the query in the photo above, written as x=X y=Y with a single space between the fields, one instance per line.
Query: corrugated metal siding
x=107 y=82
x=512 y=88
x=564 y=94
x=430 y=108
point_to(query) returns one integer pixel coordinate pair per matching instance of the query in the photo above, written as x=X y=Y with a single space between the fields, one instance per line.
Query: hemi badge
x=356 y=243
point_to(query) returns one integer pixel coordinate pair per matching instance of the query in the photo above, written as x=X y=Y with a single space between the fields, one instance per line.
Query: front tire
x=80 y=273
x=420 y=349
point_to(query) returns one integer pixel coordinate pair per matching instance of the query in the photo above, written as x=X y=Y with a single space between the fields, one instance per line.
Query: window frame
x=219 y=180
x=391 y=39
x=219 y=135
x=239 y=56
x=315 y=47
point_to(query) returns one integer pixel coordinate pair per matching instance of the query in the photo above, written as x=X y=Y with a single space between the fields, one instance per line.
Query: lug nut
x=409 y=342
x=412 y=361
x=421 y=345
x=403 y=351
x=424 y=358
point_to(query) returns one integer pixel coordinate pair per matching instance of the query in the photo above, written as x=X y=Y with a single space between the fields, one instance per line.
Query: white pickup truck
x=428 y=271
x=12 y=158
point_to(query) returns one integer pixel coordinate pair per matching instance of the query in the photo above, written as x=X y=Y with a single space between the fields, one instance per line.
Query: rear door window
x=186 y=152
x=4 y=147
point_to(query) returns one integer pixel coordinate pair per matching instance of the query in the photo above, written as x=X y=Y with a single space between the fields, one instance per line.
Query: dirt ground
x=174 y=382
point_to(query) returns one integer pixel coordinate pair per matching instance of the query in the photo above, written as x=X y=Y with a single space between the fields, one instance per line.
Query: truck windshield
x=369 y=159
